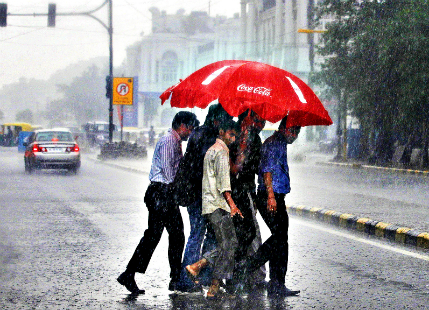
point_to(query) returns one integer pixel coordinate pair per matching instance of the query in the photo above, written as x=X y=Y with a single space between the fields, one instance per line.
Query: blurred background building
x=264 y=30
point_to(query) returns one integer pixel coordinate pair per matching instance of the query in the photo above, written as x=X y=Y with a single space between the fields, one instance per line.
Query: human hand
x=272 y=205
x=235 y=210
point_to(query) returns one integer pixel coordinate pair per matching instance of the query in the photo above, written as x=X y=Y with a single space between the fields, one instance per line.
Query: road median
x=392 y=232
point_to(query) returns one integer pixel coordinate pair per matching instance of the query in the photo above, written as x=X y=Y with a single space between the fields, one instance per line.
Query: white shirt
x=216 y=179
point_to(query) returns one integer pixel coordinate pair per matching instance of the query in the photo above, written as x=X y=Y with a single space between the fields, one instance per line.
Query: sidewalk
x=402 y=235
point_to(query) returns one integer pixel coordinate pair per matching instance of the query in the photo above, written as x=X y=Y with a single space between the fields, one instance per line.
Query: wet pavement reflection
x=193 y=301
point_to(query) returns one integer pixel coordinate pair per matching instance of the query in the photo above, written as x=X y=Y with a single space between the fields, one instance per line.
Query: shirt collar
x=222 y=144
x=175 y=134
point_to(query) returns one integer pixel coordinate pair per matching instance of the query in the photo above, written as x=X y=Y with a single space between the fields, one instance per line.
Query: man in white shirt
x=219 y=208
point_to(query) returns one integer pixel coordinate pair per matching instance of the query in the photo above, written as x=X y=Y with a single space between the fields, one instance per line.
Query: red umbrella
x=239 y=85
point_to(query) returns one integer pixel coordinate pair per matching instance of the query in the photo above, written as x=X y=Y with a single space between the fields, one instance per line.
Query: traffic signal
x=3 y=14
x=52 y=10
x=109 y=86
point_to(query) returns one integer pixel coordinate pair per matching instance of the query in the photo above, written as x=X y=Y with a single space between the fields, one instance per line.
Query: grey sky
x=28 y=48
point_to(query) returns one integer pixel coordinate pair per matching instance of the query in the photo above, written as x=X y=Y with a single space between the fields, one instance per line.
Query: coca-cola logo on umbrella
x=239 y=85
x=256 y=90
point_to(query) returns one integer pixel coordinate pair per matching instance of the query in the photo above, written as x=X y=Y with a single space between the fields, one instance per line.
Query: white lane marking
x=359 y=239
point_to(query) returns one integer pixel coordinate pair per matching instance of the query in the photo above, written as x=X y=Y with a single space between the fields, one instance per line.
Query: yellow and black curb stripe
x=387 y=169
x=395 y=233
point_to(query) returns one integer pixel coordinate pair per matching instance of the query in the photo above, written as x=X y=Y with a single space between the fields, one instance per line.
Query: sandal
x=213 y=291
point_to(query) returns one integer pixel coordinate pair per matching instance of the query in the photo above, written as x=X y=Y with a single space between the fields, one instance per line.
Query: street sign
x=123 y=91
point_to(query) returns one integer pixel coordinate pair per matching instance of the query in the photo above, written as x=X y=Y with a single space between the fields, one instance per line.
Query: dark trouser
x=222 y=257
x=245 y=228
x=163 y=213
x=275 y=248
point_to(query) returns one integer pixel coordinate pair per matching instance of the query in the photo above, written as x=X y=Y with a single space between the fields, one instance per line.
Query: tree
x=377 y=57
x=83 y=100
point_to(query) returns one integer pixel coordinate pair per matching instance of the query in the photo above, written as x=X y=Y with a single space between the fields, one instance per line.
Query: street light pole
x=110 y=71
x=51 y=15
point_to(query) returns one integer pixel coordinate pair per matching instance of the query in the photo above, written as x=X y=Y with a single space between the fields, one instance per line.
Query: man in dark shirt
x=245 y=157
x=188 y=192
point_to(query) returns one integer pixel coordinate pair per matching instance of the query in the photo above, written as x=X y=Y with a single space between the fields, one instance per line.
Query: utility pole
x=52 y=13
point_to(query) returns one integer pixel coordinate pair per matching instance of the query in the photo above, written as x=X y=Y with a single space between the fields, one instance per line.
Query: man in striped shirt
x=163 y=211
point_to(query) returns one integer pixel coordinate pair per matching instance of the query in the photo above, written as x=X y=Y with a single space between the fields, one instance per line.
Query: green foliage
x=377 y=58
x=83 y=100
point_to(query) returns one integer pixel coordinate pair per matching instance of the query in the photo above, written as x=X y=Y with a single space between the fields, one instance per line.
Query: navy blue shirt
x=274 y=160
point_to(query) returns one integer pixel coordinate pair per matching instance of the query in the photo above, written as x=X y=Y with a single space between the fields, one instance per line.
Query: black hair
x=243 y=115
x=229 y=125
x=216 y=112
x=186 y=118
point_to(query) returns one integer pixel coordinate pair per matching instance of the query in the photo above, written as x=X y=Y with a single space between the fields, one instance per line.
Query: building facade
x=179 y=44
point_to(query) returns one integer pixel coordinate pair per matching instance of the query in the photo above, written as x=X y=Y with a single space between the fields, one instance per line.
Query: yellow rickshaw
x=10 y=133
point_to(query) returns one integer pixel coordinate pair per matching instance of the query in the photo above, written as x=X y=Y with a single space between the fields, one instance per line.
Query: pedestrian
x=273 y=185
x=245 y=156
x=188 y=192
x=219 y=209
x=151 y=136
x=163 y=210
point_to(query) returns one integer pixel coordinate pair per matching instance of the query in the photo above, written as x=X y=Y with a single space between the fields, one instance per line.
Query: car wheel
x=28 y=167
x=74 y=169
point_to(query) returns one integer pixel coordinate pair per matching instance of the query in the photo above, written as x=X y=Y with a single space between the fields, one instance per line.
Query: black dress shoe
x=280 y=290
x=174 y=286
x=128 y=281
x=197 y=288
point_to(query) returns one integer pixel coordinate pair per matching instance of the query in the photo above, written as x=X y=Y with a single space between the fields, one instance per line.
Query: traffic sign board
x=123 y=91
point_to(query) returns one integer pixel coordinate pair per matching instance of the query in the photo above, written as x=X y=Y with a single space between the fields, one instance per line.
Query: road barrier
x=391 y=232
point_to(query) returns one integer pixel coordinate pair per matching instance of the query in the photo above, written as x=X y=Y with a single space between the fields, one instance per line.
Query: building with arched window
x=265 y=31
x=178 y=45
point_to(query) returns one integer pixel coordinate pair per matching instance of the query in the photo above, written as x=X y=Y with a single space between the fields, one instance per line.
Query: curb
x=132 y=169
x=362 y=166
x=391 y=232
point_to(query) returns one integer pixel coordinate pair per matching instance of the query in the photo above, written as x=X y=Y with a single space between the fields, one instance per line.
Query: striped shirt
x=166 y=158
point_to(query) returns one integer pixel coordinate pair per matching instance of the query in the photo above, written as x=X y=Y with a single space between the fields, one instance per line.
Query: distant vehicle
x=9 y=132
x=51 y=149
x=328 y=145
x=97 y=133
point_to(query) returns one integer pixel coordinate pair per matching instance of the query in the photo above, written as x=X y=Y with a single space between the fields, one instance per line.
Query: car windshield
x=54 y=136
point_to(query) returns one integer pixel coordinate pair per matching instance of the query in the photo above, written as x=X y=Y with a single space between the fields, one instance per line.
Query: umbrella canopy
x=239 y=85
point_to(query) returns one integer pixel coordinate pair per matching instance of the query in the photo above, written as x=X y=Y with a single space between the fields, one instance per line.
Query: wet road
x=65 y=238
x=396 y=198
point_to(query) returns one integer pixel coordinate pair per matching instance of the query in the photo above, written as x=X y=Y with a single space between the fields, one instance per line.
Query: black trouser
x=163 y=213
x=245 y=229
x=275 y=248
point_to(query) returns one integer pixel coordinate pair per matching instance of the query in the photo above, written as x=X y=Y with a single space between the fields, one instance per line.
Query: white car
x=52 y=149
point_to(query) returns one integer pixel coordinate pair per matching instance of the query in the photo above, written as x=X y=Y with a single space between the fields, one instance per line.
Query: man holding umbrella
x=273 y=185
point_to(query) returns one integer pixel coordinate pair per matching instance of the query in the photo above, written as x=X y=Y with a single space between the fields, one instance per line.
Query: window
x=169 y=65
x=54 y=135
